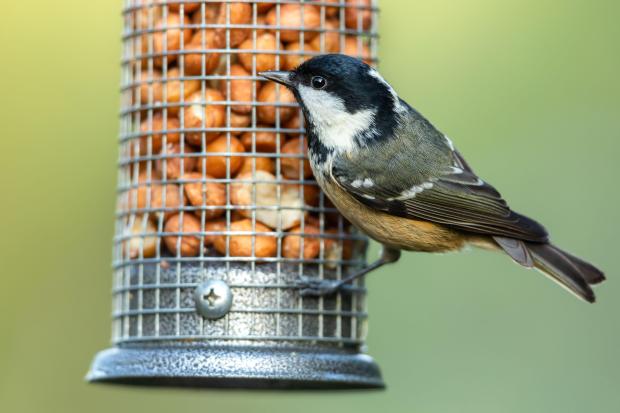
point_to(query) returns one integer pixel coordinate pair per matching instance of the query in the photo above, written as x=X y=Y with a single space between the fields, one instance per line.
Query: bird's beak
x=283 y=77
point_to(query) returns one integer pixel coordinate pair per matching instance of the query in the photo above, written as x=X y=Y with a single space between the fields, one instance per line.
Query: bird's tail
x=570 y=272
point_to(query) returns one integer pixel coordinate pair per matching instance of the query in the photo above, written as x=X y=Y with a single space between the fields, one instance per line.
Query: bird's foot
x=314 y=287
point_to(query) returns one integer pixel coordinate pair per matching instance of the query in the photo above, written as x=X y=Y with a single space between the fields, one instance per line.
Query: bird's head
x=345 y=101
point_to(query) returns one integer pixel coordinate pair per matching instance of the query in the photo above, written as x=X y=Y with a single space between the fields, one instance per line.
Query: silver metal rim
x=236 y=367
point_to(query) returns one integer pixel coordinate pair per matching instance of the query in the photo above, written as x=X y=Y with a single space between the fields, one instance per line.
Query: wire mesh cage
x=218 y=215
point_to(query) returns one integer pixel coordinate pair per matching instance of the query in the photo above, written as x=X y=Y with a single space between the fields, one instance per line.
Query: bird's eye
x=318 y=82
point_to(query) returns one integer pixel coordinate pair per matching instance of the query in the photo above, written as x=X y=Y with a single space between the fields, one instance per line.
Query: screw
x=213 y=299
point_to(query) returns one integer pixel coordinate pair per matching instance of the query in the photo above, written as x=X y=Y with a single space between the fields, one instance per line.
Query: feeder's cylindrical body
x=218 y=215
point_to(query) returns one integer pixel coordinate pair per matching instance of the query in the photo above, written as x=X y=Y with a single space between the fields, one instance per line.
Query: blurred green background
x=529 y=91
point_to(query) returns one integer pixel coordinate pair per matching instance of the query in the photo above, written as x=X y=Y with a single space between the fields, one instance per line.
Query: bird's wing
x=432 y=183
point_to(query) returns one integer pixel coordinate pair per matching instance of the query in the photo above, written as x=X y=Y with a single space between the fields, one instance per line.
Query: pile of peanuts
x=192 y=153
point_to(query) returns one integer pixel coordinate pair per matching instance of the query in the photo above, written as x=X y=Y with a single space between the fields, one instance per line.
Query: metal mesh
x=213 y=176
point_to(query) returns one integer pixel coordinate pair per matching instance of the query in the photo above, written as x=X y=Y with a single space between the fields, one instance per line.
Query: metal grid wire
x=181 y=71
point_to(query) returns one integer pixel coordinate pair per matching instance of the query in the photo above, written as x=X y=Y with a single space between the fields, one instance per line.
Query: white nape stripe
x=397 y=105
x=376 y=75
x=412 y=192
x=368 y=183
x=334 y=125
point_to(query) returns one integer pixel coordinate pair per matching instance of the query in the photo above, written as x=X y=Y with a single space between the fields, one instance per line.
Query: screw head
x=213 y=299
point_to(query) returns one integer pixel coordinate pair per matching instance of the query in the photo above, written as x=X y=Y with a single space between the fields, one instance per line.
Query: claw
x=312 y=287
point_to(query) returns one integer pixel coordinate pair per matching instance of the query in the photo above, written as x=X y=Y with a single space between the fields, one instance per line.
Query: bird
x=402 y=182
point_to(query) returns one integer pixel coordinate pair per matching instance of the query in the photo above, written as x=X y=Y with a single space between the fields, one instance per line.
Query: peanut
x=241 y=245
x=184 y=240
x=205 y=194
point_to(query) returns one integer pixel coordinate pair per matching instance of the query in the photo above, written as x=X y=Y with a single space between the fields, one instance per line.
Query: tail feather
x=569 y=271
x=591 y=274
x=516 y=249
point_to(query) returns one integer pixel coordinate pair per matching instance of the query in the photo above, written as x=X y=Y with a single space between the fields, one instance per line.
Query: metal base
x=236 y=367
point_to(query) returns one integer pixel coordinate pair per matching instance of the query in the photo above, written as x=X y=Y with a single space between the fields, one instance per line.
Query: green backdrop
x=527 y=89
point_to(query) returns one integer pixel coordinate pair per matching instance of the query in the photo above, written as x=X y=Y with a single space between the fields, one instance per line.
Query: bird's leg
x=318 y=288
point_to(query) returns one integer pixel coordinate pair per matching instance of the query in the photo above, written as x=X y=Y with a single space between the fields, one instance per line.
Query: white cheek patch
x=334 y=125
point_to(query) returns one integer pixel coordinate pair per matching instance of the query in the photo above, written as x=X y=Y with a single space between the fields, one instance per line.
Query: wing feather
x=438 y=186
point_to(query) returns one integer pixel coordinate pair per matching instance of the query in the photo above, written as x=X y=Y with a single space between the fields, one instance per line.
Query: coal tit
x=401 y=181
